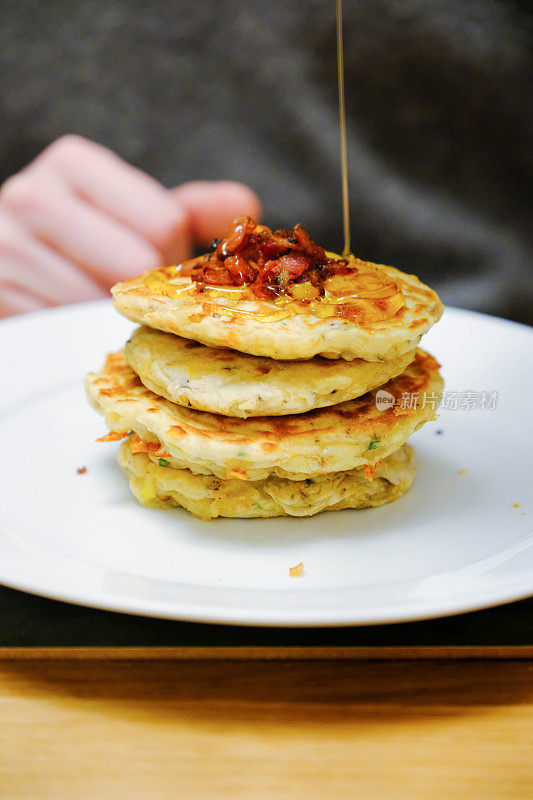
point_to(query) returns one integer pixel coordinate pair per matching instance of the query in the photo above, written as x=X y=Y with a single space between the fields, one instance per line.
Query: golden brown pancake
x=342 y=437
x=240 y=385
x=206 y=496
x=285 y=329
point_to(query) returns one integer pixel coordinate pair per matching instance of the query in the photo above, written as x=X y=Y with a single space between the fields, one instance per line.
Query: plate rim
x=217 y=615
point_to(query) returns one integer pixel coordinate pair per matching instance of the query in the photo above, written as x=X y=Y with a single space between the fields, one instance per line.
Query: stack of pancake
x=235 y=402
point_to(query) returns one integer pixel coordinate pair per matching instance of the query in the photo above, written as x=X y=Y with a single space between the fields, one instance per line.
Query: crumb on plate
x=81 y=470
x=297 y=571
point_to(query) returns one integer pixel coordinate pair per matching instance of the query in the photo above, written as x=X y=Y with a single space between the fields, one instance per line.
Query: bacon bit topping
x=264 y=260
x=297 y=571
x=81 y=470
x=113 y=436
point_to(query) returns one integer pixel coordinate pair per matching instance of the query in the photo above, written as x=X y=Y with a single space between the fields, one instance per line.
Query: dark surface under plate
x=27 y=620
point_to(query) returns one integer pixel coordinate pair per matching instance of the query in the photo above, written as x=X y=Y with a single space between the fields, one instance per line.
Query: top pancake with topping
x=279 y=294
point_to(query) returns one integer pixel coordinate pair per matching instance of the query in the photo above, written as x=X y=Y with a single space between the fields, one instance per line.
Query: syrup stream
x=342 y=121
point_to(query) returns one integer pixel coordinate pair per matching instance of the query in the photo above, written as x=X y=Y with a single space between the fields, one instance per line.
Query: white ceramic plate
x=454 y=542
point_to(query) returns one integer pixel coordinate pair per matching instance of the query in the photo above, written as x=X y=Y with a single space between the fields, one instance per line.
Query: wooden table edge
x=238 y=653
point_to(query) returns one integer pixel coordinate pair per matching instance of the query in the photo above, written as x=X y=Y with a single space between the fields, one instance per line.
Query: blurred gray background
x=438 y=102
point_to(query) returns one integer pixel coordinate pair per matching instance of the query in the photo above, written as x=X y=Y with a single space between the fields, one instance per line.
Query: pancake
x=342 y=437
x=240 y=385
x=206 y=496
x=169 y=301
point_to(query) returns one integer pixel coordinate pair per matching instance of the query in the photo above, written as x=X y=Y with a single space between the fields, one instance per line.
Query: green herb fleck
x=309 y=482
x=241 y=454
x=380 y=358
x=162 y=462
x=372 y=446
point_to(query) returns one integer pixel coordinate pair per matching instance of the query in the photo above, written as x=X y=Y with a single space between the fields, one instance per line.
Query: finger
x=15 y=301
x=30 y=266
x=103 y=248
x=129 y=195
x=212 y=205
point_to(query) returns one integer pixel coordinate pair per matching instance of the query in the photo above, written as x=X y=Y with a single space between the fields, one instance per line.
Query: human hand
x=78 y=219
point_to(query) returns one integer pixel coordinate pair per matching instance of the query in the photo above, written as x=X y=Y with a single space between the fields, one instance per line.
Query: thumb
x=211 y=205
